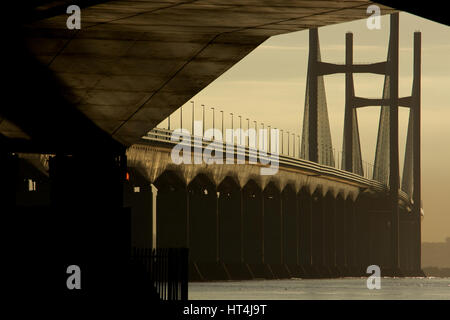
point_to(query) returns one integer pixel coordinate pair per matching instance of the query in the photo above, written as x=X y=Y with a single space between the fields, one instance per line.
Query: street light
x=232 y=133
x=181 y=117
x=203 y=120
x=240 y=130
x=248 y=132
x=293 y=145
x=192 y=132
x=256 y=135
x=263 y=140
x=276 y=143
x=213 y=123
x=288 y=134
x=222 y=123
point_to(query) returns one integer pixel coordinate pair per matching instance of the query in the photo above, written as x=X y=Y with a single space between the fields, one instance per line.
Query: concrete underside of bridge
x=133 y=63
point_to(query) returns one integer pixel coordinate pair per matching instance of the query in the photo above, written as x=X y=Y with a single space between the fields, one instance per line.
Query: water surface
x=322 y=289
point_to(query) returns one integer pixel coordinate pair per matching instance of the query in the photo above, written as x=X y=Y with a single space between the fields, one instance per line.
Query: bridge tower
x=316 y=139
x=316 y=143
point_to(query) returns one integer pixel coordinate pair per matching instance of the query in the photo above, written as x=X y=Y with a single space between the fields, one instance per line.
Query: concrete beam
x=133 y=63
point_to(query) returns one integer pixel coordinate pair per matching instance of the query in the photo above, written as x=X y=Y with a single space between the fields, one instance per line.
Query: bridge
x=94 y=94
x=305 y=219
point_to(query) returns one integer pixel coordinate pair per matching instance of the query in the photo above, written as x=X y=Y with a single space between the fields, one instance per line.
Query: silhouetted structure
x=316 y=141
x=238 y=225
x=314 y=221
x=164 y=269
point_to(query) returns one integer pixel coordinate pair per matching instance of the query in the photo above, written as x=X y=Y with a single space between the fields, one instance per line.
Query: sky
x=268 y=86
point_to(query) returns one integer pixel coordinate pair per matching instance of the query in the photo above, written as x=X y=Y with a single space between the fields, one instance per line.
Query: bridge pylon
x=316 y=139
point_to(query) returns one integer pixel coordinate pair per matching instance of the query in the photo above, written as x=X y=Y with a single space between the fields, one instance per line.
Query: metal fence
x=167 y=270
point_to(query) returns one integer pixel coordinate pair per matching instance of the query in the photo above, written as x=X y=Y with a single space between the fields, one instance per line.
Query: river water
x=322 y=289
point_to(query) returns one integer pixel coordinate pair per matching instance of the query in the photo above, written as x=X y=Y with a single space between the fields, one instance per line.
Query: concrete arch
x=230 y=179
x=290 y=228
x=350 y=236
x=329 y=236
x=317 y=214
x=171 y=211
x=341 y=230
x=252 y=212
x=169 y=179
x=305 y=229
x=203 y=233
x=230 y=221
x=273 y=230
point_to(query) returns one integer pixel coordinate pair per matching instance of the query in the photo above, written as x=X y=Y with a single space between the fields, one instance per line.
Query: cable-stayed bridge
x=312 y=216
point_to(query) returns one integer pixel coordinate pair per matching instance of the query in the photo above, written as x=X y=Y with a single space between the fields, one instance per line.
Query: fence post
x=184 y=273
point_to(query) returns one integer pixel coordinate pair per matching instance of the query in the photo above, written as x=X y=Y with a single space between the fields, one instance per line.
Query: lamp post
x=203 y=120
x=293 y=145
x=222 y=123
x=240 y=130
x=232 y=128
x=256 y=135
x=334 y=157
x=263 y=140
x=192 y=132
x=276 y=142
x=213 y=123
x=231 y=114
x=181 y=117
x=288 y=134
x=248 y=132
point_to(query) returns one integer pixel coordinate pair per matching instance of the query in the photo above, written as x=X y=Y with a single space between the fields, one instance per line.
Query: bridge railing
x=166 y=269
x=159 y=135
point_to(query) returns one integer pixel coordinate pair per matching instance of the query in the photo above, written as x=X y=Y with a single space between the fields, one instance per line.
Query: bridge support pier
x=408 y=244
x=248 y=233
x=203 y=228
x=318 y=236
x=305 y=231
x=330 y=231
x=340 y=244
x=290 y=239
x=172 y=215
x=350 y=239
x=361 y=235
x=273 y=231
x=231 y=230
x=253 y=223
x=9 y=164
x=88 y=217
x=138 y=196
x=14 y=260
